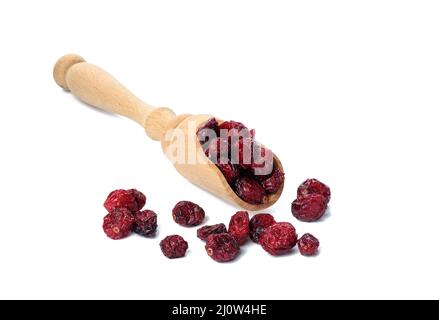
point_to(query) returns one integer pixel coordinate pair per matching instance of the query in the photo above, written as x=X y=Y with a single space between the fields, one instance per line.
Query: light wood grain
x=98 y=88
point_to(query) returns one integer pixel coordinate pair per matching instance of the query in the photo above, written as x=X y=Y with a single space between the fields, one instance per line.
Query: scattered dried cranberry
x=279 y=238
x=188 y=214
x=121 y=199
x=239 y=226
x=258 y=224
x=249 y=190
x=273 y=183
x=309 y=208
x=139 y=198
x=308 y=245
x=206 y=231
x=118 y=223
x=314 y=186
x=173 y=246
x=222 y=247
x=145 y=223
x=230 y=171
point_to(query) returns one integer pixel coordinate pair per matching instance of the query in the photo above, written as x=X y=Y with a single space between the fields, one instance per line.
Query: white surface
x=344 y=91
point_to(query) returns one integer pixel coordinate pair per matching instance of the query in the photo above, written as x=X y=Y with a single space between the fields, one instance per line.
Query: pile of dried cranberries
x=222 y=244
x=248 y=167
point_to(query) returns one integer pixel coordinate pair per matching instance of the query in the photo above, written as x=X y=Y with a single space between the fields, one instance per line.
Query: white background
x=344 y=91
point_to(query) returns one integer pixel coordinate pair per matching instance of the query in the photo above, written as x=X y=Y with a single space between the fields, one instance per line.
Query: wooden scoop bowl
x=96 y=87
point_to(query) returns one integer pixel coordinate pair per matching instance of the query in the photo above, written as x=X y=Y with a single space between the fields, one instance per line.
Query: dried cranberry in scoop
x=314 y=186
x=208 y=130
x=273 y=183
x=188 y=214
x=308 y=245
x=145 y=223
x=206 y=231
x=173 y=246
x=309 y=208
x=279 y=238
x=249 y=190
x=118 y=223
x=222 y=247
x=230 y=171
x=239 y=226
x=258 y=224
x=121 y=199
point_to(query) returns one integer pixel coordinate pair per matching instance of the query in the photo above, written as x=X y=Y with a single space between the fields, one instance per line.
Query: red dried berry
x=121 y=199
x=217 y=149
x=273 y=183
x=314 y=186
x=249 y=190
x=239 y=226
x=204 y=232
x=309 y=208
x=279 y=238
x=145 y=223
x=173 y=246
x=262 y=161
x=308 y=245
x=222 y=247
x=232 y=125
x=258 y=224
x=118 y=223
x=241 y=152
x=208 y=130
x=188 y=214
x=139 y=198
x=230 y=171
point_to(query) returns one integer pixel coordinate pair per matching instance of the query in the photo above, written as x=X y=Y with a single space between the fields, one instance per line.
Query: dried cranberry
x=188 y=214
x=118 y=223
x=258 y=224
x=262 y=162
x=208 y=130
x=217 y=149
x=206 y=231
x=279 y=238
x=173 y=246
x=232 y=125
x=222 y=247
x=308 y=245
x=239 y=226
x=230 y=171
x=314 y=186
x=139 y=198
x=241 y=152
x=309 y=208
x=273 y=183
x=249 y=190
x=145 y=222
x=121 y=199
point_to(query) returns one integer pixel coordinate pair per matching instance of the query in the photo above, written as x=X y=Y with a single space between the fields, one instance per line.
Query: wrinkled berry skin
x=314 y=186
x=239 y=226
x=308 y=245
x=118 y=223
x=249 y=190
x=309 y=208
x=217 y=149
x=188 y=214
x=173 y=246
x=279 y=238
x=145 y=223
x=204 y=131
x=273 y=183
x=121 y=199
x=222 y=247
x=232 y=125
x=230 y=171
x=204 y=232
x=139 y=197
x=258 y=224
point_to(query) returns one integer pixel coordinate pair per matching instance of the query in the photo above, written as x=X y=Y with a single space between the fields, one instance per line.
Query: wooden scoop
x=96 y=87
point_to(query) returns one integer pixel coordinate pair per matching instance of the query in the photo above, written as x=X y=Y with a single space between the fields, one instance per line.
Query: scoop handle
x=98 y=88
